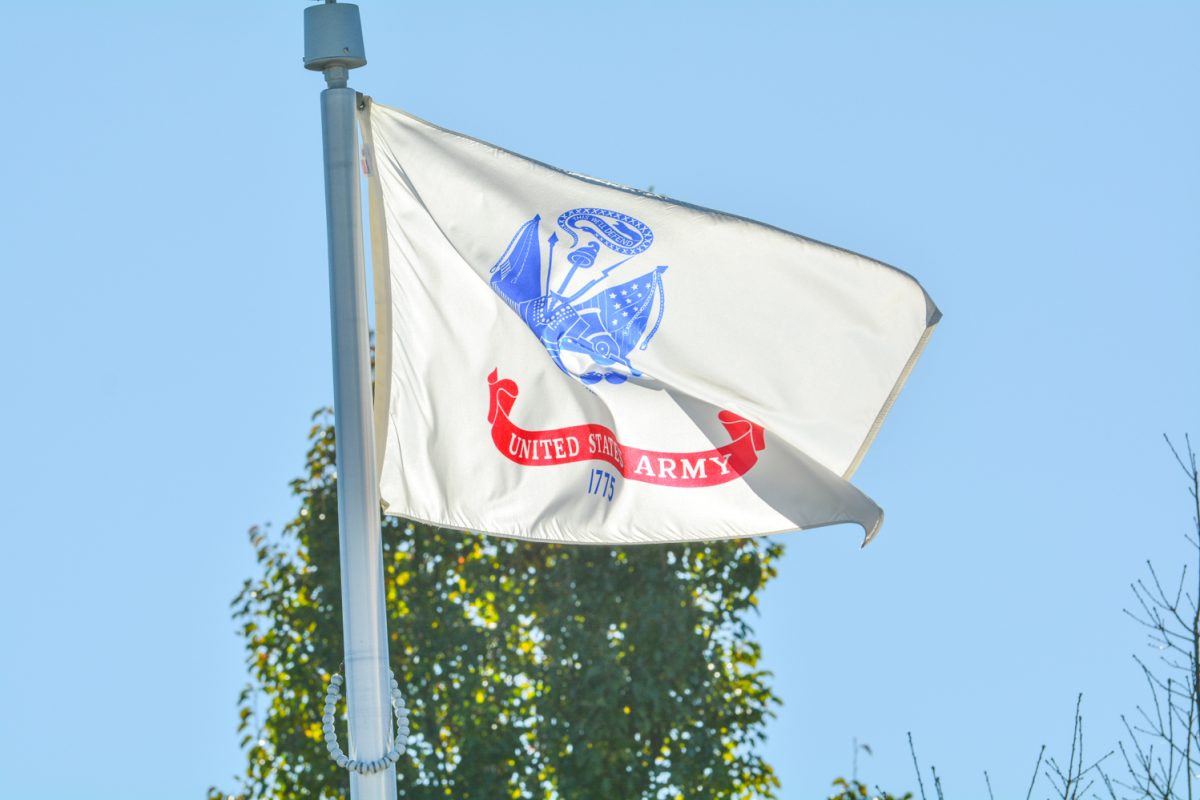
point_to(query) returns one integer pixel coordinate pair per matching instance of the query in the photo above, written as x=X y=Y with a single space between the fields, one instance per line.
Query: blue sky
x=165 y=339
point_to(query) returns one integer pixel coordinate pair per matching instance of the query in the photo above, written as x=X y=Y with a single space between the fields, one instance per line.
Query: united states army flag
x=567 y=360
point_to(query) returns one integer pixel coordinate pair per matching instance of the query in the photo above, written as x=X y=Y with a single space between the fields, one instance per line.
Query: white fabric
x=808 y=341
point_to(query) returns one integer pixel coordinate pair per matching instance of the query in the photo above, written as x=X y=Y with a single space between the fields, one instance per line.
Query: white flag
x=566 y=360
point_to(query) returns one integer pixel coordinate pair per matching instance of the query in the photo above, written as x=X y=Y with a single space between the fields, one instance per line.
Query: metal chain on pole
x=399 y=710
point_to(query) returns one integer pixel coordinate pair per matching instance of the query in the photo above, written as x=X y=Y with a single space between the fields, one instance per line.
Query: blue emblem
x=588 y=325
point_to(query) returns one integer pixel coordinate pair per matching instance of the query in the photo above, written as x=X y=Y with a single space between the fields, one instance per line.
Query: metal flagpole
x=333 y=45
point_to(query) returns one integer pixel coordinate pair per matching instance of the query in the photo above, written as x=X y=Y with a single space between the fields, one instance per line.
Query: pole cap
x=332 y=36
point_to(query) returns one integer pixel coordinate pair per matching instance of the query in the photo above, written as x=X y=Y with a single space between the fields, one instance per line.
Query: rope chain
x=399 y=710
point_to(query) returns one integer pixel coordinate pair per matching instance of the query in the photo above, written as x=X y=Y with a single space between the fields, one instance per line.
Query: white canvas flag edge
x=382 y=400
x=891 y=398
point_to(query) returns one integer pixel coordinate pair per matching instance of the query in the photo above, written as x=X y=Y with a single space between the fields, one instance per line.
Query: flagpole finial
x=333 y=37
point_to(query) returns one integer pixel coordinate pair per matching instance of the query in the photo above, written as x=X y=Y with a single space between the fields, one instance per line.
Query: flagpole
x=333 y=45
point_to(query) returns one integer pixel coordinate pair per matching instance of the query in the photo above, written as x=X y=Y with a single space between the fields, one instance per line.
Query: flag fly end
x=872 y=532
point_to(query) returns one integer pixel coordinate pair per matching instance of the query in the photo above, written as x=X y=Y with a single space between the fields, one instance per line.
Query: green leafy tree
x=532 y=670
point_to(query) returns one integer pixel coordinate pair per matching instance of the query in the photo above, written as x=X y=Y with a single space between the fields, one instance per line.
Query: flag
x=563 y=359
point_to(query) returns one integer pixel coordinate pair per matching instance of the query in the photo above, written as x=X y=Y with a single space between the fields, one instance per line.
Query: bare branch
x=917 y=767
x=1036 y=767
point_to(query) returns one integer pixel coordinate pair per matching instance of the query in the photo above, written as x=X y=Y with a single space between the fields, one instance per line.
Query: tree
x=531 y=670
x=856 y=790
x=1162 y=750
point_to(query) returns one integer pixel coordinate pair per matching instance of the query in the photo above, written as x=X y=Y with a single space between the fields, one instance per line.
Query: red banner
x=597 y=443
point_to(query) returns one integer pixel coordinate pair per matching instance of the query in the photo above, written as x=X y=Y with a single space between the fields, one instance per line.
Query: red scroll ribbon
x=598 y=443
